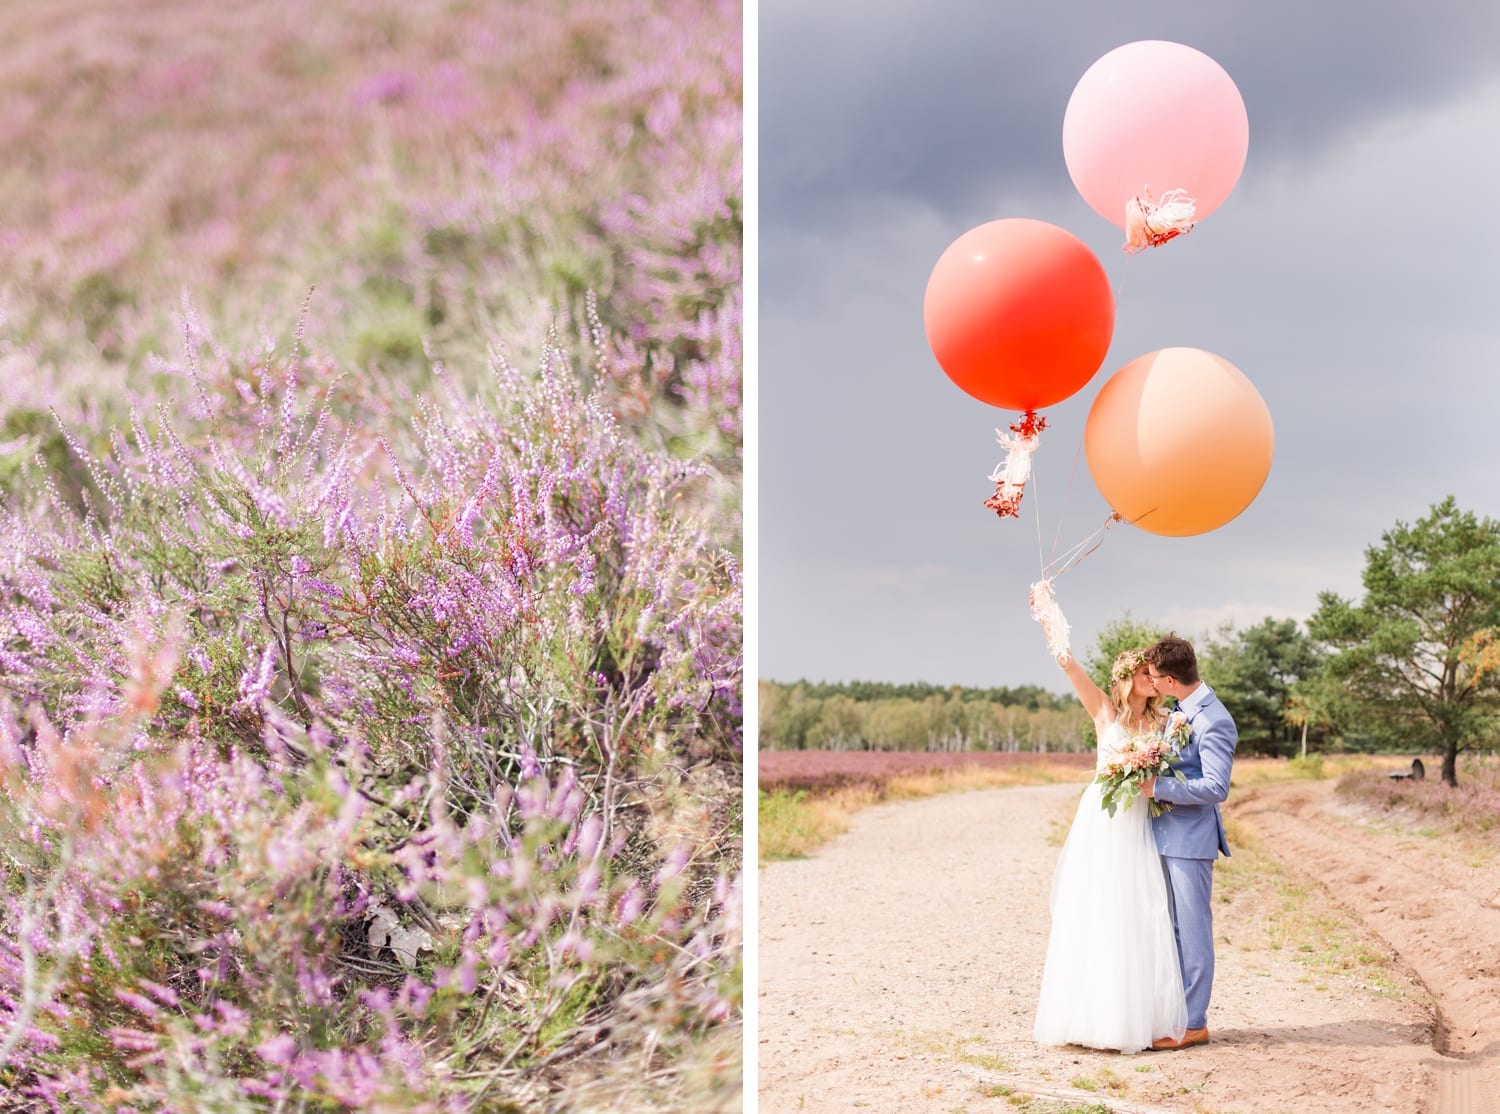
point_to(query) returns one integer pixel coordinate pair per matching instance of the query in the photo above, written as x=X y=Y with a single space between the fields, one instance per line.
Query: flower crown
x=1126 y=665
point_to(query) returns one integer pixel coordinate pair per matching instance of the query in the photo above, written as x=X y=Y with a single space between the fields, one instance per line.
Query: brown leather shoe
x=1189 y=1038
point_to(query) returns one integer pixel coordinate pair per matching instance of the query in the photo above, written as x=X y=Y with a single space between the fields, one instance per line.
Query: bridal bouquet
x=1146 y=755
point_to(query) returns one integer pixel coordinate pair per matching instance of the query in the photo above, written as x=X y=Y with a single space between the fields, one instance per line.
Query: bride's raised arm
x=1095 y=701
x=1044 y=610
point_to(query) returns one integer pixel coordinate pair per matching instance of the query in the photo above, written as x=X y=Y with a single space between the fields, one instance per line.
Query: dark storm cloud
x=954 y=103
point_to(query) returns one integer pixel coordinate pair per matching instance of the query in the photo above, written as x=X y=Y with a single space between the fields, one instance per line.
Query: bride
x=1112 y=978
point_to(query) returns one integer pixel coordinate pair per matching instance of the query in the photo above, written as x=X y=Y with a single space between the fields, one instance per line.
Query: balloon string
x=1068 y=494
x=1074 y=557
x=1036 y=507
x=1126 y=268
x=1058 y=567
x=1119 y=292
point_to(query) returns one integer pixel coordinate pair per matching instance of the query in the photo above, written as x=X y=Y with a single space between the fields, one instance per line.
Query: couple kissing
x=1130 y=956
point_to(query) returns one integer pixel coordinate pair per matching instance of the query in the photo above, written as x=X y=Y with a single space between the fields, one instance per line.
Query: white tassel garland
x=1011 y=474
x=1150 y=223
x=1045 y=610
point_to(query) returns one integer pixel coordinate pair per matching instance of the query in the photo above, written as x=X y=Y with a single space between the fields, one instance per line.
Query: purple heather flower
x=255 y=682
x=138 y=1002
x=278 y=1050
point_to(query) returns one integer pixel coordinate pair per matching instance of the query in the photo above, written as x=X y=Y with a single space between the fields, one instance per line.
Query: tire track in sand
x=1433 y=906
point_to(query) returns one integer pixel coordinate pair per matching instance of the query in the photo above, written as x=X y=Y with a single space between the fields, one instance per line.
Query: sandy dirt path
x=899 y=967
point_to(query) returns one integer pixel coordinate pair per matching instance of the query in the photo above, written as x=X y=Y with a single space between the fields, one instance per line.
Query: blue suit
x=1190 y=837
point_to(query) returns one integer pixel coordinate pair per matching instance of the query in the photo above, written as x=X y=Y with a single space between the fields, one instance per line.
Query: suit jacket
x=1193 y=828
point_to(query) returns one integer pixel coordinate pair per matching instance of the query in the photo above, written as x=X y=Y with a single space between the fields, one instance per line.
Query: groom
x=1190 y=834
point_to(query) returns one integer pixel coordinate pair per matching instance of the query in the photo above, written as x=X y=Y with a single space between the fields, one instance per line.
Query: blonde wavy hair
x=1121 y=681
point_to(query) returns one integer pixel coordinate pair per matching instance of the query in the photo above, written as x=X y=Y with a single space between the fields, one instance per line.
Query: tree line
x=1414 y=665
x=871 y=716
x=1033 y=697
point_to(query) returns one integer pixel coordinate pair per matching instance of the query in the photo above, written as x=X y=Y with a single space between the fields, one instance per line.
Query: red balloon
x=1019 y=313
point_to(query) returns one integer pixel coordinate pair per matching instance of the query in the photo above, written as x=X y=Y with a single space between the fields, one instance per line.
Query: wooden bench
x=1416 y=773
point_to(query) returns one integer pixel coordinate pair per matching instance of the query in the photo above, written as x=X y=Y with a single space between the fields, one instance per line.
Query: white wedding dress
x=1111 y=978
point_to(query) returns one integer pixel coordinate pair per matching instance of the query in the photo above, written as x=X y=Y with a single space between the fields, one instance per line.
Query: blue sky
x=1351 y=276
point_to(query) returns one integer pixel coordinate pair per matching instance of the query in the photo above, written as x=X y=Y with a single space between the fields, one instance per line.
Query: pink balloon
x=1155 y=116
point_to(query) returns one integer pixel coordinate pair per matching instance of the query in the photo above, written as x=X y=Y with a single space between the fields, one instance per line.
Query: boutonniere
x=1178 y=731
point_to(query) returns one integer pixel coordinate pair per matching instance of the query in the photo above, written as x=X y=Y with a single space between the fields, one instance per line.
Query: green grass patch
x=987 y=1061
x=794 y=824
x=1310 y=767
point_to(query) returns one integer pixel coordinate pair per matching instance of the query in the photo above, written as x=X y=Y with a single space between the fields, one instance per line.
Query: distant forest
x=870 y=715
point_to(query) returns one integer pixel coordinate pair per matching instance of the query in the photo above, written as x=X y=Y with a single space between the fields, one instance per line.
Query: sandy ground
x=899 y=967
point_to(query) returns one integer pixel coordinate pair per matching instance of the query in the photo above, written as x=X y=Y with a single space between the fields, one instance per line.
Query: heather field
x=822 y=771
x=370 y=607
x=1472 y=808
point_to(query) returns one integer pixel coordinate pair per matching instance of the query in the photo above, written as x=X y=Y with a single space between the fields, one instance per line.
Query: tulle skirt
x=1112 y=978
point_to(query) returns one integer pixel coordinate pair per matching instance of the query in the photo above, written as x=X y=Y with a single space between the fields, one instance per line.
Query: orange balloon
x=1019 y=313
x=1179 y=441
